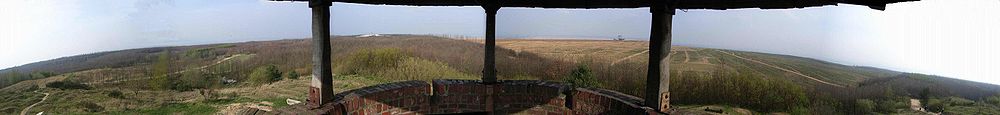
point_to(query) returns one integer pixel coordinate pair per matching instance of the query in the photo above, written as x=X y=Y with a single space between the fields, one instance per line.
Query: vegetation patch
x=67 y=85
x=265 y=75
x=743 y=90
x=173 y=109
x=582 y=77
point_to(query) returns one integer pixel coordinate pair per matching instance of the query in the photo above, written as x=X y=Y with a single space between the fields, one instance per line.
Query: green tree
x=160 y=79
x=265 y=74
x=582 y=77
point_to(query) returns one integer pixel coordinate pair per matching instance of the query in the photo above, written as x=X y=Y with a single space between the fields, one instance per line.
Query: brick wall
x=591 y=101
x=532 y=97
x=468 y=96
x=461 y=96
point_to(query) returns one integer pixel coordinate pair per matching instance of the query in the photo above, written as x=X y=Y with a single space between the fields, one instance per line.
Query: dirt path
x=687 y=58
x=917 y=106
x=33 y=105
x=630 y=56
x=779 y=68
x=178 y=72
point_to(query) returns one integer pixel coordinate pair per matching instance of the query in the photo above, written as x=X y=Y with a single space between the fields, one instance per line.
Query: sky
x=952 y=38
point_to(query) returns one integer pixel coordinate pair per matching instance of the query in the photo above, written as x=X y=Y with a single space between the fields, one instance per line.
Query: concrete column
x=489 y=63
x=658 y=76
x=321 y=88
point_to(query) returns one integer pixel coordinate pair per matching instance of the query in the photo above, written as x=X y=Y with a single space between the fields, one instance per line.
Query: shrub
x=960 y=101
x=582 y=77
x=745 y=90
x=936 y=105
x=191 y=80
x=995 y=100
x=90 y=107
x=293 y=75
x=865 y=105
x=265 y=74
x=116 y=94
x=161 y=80
x=889 y=106
x=370 y=61
x=67 y=85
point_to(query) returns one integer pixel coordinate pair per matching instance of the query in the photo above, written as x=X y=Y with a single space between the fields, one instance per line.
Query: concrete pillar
x=321 y=88
x=658 y=76
x=489 y=63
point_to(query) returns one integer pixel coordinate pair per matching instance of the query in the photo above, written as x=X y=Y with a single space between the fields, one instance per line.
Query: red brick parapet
x=472 y=96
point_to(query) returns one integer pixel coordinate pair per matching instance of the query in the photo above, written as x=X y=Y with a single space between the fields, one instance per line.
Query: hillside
x=366 y=60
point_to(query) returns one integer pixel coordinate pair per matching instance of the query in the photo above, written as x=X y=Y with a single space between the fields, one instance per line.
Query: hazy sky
x=953 y=38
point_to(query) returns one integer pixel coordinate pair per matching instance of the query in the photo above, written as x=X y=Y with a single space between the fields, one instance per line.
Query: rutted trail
x=178 y=72
x=687 y=58
x=779 y=68
x=33 y=105
x=630 y=56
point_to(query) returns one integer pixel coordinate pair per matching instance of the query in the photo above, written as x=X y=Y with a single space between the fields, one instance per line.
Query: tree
x=582 y=77
x=160 y=77
x=265 y=74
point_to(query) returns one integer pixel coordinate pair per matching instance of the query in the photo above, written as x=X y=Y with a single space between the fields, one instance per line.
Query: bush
x=582 y=77
x=161 y=69
x=265 y=75
x=90 y=107
x=865 y=105
x=293 y=75
x=191 y=80
x=116 y=94
x=958 y=101
x=745 y=90
x=889 y=106
x=936 y=105
x=67 y=85
x=370 y=61
x=995 y=100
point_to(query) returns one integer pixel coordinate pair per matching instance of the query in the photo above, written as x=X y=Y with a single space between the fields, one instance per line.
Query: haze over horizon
x=951 y=38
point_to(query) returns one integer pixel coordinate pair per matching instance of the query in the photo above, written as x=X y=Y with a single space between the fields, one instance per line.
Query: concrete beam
x=321 y=88
x=658 y=76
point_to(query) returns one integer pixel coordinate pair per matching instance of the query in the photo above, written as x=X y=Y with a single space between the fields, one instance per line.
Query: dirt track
x=33 y=105
x=178 y=72
x=630 y=56
x=779 y=68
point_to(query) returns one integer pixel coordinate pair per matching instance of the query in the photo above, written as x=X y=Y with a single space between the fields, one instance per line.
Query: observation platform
x=450 y=96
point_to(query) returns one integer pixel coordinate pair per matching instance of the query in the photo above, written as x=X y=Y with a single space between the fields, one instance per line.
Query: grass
x=172 y=109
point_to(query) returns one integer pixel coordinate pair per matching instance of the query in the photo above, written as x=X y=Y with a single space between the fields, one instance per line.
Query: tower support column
x=321 y=88
x=658 y=76
x=489 y=62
